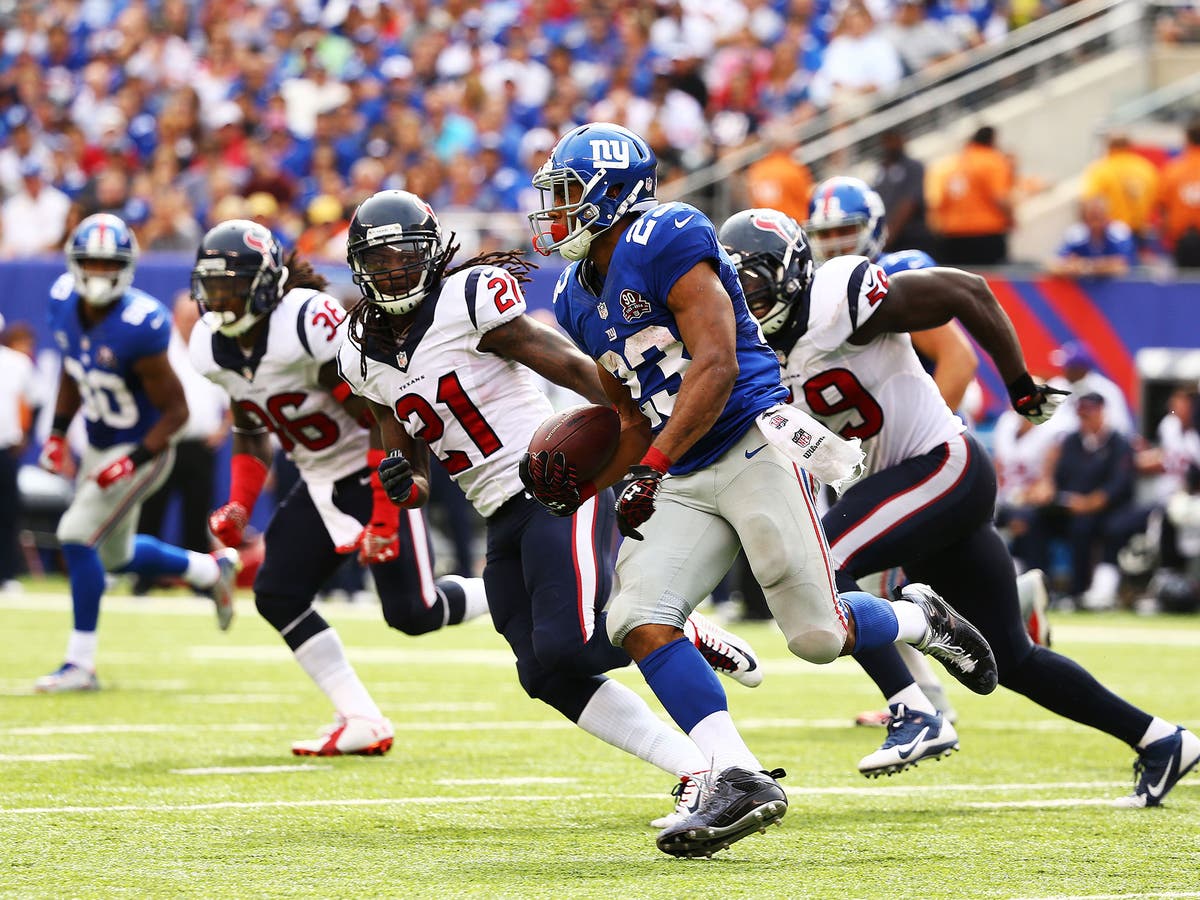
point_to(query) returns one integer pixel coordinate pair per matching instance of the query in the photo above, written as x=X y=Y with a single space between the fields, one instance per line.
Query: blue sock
x=875 y=622
x=86 y=574
x=152 y=557
x=684 y=683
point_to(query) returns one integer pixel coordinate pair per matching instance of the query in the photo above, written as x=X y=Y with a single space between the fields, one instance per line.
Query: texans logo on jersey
x=633 y=305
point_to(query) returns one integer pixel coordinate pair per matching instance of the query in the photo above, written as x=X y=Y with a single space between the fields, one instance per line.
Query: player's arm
x=56 y=456
x=248 y=468
x=165 y=392
x=635 y=431
x=404 y=472
x=920 y=299
x=954 y=360
x=552 y=355
x=356 y=407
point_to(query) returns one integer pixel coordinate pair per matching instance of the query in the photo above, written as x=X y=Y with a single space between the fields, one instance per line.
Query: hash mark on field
x=42 y=757
x=450 y=782
x=251 y=770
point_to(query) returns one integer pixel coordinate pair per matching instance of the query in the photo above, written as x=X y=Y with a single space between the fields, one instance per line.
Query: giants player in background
x=926 y=504
x=445 y=360
x=269 y=336
x=113 y=340
x=655 y=300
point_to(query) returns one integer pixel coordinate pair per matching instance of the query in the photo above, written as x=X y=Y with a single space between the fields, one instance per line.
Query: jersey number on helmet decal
x=315 y=431
x=640 y=347
x=847 y=394
x=106 y=397
x=450 y=392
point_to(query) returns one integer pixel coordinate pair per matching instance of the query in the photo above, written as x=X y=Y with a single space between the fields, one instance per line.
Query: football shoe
x=725 y=652
x=912 y=737
x=688 y=793
x=953 y=641
x=349 y=736
x=1034 y=598
x=67 y=677
x=739 y=803
x=1160 y=766
x=228 y=564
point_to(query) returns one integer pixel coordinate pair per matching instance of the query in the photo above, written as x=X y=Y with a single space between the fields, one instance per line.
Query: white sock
x=202 y=571
x=914 y=698
x=927 y=680
x=722 y=745
x=324 y=659
x=618 y=716
x=475 y=600
x=1159 y=729
x=912 y=621
x=81 y=649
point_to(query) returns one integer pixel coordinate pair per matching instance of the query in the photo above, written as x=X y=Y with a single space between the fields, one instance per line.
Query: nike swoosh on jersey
x=908 y=749
x=679 y=223
x=750 y=453
x=1156 y=790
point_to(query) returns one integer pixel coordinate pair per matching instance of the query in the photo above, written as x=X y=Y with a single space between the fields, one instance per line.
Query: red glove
x=247 y=474
x=379 y=541
x=115 y=471
x=229 y=524
x=55 y=456
x=636 y=494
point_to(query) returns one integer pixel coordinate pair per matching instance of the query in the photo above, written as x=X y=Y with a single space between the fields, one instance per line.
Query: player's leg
x=299 y=556
x=93 y=532
x=547 y=578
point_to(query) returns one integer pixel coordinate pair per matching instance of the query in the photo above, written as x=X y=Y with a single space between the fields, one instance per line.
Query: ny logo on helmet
x=610 y=154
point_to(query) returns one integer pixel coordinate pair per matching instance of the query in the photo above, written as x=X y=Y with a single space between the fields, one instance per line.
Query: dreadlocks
x=368 y=322
x=301 y=274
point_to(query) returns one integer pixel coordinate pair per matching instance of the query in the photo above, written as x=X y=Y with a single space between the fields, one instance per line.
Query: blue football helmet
x=846 y=218
x=595 y=175
x=775 y=267
x=239 y=275
x=102 y=254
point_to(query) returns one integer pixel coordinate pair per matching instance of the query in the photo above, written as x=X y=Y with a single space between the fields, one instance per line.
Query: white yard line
x=42 y=757
x=251 y=770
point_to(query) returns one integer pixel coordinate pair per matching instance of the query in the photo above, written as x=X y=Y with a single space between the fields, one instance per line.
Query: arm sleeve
x=845 y=293
x=321 y=326
x=673 y=251
x=154 y=331
x=493 y=297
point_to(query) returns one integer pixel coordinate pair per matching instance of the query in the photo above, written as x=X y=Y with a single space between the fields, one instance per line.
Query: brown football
x=586 y=435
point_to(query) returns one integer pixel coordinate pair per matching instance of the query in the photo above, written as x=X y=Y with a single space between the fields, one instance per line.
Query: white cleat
x=727 y=653
x=228 y=566
x=349 y=736
x=689 y=793
x=67 y=677
x=912 y=737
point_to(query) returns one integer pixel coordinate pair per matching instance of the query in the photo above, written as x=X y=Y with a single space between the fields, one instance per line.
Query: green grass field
x=176 y=779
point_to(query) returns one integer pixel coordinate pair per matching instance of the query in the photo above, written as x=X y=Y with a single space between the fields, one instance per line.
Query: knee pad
x=415 y=618
x=817 y=645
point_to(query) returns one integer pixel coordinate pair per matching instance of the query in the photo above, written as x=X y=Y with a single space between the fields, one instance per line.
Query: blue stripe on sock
x=684 y=683
x=875 y=622
x=86 y=574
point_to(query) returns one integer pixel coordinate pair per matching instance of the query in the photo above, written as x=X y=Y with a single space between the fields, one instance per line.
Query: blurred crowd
x=176 y=114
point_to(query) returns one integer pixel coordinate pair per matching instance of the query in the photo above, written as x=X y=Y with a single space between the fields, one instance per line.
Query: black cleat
x=953 y=641
x=739 y=803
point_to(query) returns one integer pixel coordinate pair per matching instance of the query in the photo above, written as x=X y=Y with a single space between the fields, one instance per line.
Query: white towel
x=343 y=528
x=829 y=458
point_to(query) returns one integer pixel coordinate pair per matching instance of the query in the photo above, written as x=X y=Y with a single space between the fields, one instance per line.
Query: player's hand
x=396 y=478
x=229 y=524
x=56 y=456
x=551 y=480
x=379 y=543
x=115 y=471
x=1036 y=402
x=635 y=499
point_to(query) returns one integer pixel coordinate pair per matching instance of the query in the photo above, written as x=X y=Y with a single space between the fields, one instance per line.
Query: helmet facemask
x=100 y=280
x=397 y=271
x=767 y=295
x=233 y=302
x=848 y=237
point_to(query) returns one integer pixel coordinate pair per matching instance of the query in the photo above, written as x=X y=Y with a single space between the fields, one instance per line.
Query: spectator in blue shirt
x=1098 y=246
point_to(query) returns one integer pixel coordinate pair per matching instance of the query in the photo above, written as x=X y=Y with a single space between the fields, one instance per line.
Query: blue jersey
x=902 y=260
x=1117 y=240
x=627 y=327
x=101 y=360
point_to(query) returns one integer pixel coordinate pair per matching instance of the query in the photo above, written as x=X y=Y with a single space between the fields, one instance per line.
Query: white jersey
x=878 y=391
x=475 y=410
x=277 y=384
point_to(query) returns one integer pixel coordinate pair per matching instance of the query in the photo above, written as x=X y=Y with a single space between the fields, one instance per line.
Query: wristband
x=374 y=457
x=139 y=455
x=247 y=474
x=60 y=424
x=657 y=460
x=341 y=392
x=1021 y=387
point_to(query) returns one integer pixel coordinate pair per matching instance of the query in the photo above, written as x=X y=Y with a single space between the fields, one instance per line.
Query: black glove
x=635 y=499
x=550 y=480
x=1036 y=402
x=396 y=476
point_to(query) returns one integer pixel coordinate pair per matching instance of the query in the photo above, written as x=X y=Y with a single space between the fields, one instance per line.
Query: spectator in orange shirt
x=1129 y=182
x=969 y=197
x=779 y=180
x=1179 y=196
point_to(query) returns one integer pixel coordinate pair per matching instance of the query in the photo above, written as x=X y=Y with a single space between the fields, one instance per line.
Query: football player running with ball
x=926 y=504
x=269 y=336
x=445 y=360
x=655 y=300
x=113 y=340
